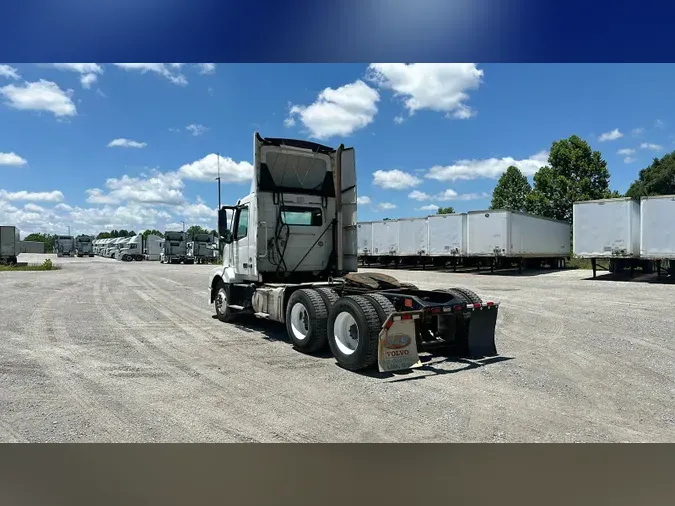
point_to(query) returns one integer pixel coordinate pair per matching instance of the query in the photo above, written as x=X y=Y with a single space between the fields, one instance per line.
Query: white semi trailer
x=608 y=230
x=290 y=256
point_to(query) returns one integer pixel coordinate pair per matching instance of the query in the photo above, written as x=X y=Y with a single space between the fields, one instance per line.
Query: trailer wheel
x=223 y=311
x=353 y=332
x=306 y=320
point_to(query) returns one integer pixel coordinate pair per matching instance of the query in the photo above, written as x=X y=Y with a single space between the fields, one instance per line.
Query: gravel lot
x=108 y=351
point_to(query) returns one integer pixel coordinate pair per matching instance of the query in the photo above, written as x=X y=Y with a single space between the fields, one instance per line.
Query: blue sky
x=100 y=146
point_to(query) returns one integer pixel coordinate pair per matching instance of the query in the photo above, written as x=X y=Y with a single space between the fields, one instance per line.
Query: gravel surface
x=108 y=351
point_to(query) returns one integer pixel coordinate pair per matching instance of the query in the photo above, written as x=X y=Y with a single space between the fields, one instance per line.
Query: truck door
x=242 y=260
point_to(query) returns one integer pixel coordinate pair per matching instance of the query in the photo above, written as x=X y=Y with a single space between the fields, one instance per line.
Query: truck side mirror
x=227 y=237
x=222 y=222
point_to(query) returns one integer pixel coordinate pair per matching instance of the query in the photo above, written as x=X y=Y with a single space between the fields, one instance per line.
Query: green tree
x=445 y=210
x=657 y=179
x=511 y=191
x=47 y=239
x=574 y=173
x=146 y=233
x=194 y=230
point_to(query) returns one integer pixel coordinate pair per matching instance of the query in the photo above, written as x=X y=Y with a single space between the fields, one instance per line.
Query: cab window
x=242 y=224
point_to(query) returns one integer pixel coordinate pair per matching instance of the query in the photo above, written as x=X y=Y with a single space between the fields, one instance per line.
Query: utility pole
x=218 y=179
x=183 y=226
x=68 y=229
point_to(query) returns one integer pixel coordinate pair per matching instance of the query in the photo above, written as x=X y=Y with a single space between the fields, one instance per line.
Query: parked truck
x=200 y=248
x=132 y=249
x=64 y=245
x=84 y=246
x=10 y=245
x=290 y=256
x=175 y=248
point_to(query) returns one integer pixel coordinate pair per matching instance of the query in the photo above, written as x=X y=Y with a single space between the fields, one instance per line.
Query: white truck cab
x=289 y=252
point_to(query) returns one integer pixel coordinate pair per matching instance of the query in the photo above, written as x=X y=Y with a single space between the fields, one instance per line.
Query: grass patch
x=579 y=263
x=47 y=265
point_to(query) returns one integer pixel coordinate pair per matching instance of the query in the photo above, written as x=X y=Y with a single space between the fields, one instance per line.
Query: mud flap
x=397 y=346
x=481 y=337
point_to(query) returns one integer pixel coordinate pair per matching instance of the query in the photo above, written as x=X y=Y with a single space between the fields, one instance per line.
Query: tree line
x=575 y=172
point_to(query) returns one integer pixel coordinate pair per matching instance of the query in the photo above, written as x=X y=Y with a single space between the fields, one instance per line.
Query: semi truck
x=84 y=246
x=64 y=245
x=290 y=255
x=200 y=248
x=175 y=248
x=10 y=245
x=132 y=249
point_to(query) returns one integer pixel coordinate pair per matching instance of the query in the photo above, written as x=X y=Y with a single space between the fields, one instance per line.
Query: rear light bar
x=462 y=307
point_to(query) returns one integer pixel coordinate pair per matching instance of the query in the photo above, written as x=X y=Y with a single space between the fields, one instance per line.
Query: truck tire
x=223 y=311
x=469 y=295
x=353 y=332
x=328 y=295
x=382 y=305
x=306 y=320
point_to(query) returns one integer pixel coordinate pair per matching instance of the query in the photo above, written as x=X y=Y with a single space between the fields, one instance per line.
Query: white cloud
x=364 y=201
x=637 y=131
x=289 y=122
x=441 y=87
x=430 y=207
x=490 y=168
x=625 y=151
x=126 y=143
x=418 y=195
x=164 y=70
x=40 y=96
x=9 y=72
x=650 y=146
x=88 y=71
x=659 y=123
x=628 y=159
x=87 y=80
x=386 y=206
x=12 y=159
x=207 y=68
x=159 y=188
x=445 y=195
x=34 y=208
x=206 y=169
x=196 y=129
x=610 y=136
x=399 y=119
x=63 y=207
x=52 y=196
x=338 y=112
x=394 y=179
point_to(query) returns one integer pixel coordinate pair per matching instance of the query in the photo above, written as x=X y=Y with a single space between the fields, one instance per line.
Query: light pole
x=218 y=179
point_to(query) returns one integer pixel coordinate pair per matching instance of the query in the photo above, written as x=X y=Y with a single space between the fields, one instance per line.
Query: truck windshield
x=303 y=216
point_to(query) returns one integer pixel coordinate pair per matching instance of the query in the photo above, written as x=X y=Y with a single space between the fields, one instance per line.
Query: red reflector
x=477 y=305
x=407 y=316
x=456 y=308
x=490 y=303
x=435 y=309
x=388 y=324
x=408 y=302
